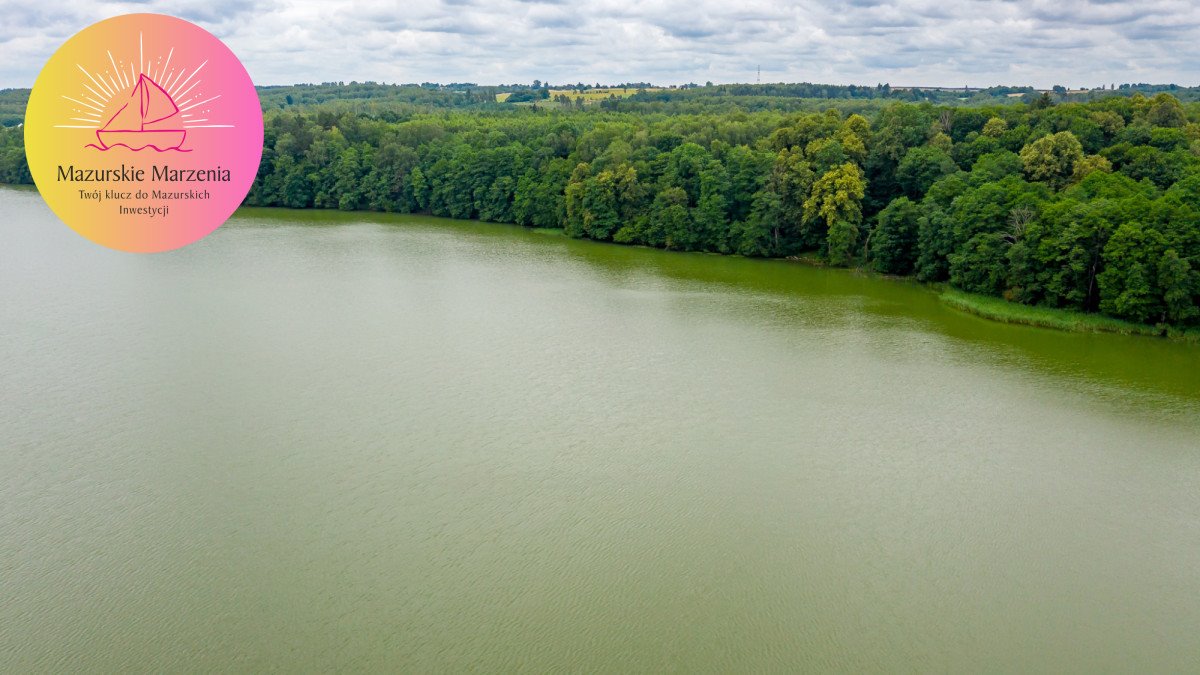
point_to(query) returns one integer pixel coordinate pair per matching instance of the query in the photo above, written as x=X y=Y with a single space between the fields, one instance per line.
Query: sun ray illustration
x=83 y=104
x=93 y=79
x=176 y=80
x=202 y=102
x=120 y=74
x=97 y=94
x=184 y=92
x=193 y=98
x=95 y=82
x=144 y=106
x=162 y=70
x=189 y=77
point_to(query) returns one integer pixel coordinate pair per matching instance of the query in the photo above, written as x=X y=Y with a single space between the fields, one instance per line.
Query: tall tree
x=1052 y=158
x=836 y=200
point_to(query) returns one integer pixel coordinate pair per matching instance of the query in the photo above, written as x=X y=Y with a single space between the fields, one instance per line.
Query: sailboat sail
x=156 y=103
x=148 y=119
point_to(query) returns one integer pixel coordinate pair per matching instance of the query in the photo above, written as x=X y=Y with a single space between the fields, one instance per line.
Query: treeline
x=780 y=93
x=809 y=90
x=1092 y=207
x=395 y=100
x=432 y=96
x=12 y=106
x=13 y=167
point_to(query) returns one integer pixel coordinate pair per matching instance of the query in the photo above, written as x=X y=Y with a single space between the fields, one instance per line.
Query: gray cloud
x=905 y=42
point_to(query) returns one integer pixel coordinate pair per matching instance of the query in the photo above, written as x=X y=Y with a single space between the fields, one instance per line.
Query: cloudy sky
x=904 y=42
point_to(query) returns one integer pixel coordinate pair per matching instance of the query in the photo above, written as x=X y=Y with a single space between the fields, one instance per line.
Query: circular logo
x=143 y=133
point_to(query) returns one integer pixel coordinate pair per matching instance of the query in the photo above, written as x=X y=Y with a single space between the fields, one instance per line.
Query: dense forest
x=1091 y=206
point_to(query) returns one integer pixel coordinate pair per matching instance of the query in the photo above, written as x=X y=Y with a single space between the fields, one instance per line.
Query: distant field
x=588 y=95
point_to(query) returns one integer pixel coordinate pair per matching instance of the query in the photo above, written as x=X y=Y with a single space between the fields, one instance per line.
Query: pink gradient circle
x=143 y=132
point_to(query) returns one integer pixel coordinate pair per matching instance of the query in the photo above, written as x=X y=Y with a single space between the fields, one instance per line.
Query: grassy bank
x=999 y=309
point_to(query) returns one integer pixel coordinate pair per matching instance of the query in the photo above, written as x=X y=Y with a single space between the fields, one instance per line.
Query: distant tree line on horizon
x=375 y=99
x=1086 y=206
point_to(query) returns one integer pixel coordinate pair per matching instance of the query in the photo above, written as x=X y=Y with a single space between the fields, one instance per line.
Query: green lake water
x=321 y=441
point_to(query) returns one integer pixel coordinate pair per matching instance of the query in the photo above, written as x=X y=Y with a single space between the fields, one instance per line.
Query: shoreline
x=983 y=306
x=1003 y=311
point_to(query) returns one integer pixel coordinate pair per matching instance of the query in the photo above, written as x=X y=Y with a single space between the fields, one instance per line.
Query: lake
x=319 y=441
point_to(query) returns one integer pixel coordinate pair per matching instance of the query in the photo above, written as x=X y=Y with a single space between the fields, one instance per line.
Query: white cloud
x=904 y=42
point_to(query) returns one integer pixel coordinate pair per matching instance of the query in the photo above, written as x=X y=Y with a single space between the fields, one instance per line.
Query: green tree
x=1052 y=158
x=921 y=168
x=1088 y=165
x=995 y=127
x=598 y=205
x=1180 y=286
x=1111 y=123
x=893 y=244
x=842 y=238
x=710 y=215
x=836 y=199
x=1127 y=288
x=670 y=214
x=981 y=265
x=1165 y=111
x=538 y=199
x=783 y=206
x=854 y=136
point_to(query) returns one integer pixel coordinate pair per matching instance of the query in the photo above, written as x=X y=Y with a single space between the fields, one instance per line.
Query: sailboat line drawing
x=152 y=98
x=149 y=119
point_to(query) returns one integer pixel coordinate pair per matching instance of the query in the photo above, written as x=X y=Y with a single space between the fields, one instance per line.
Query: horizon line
x=563 y=85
